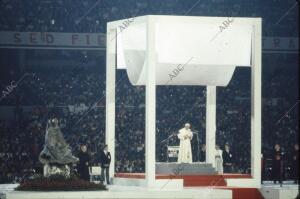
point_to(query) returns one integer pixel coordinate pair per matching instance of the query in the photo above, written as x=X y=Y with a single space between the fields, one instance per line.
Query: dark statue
x=56 y=154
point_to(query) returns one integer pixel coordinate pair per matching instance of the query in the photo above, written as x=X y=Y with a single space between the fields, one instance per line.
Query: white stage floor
x=269 y=191
x=119 y=192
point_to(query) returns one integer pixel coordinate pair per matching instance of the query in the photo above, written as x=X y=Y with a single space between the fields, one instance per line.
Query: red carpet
x=245 y=193
x=204 y=180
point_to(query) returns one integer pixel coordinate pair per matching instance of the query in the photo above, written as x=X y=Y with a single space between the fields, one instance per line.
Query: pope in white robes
x=219 y=159
x=185 y=150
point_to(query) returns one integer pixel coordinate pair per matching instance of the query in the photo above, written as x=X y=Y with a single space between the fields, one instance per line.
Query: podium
x=172 y=152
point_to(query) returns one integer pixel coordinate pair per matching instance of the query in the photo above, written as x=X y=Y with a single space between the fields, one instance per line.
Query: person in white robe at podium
x=219 y=159
x=185 y=150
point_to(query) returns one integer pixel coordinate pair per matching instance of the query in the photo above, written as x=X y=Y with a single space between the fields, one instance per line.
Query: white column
x=110 y=95
x=150 y=105
x=210 y=124
x=256 y=103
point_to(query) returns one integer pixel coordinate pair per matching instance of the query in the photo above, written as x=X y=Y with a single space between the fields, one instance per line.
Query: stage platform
x=119 y=192
x=267 y=191
x=173 y=168
x=274 y=191
x=217 y=182
x=188 y=180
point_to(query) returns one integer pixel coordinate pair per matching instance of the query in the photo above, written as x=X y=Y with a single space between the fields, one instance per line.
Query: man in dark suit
x=277 y=164
x=105 y=162
x=227 y=160
x=83 y=166
x=203 y=153
x=295 y=163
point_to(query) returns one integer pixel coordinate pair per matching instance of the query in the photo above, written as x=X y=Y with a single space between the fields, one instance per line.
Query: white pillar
x=150 y=106
x=210 y=124
x=256 y=103
x=110 y=95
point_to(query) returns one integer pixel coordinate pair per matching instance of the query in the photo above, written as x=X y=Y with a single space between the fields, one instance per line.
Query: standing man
x=105 y=162
x=227 y=160
x=203 y=153
x=185 y=150
x=277 y=164
x=84 y=163
x=295 y=163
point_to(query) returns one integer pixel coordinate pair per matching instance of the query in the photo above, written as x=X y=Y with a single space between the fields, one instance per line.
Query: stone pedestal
x=56 y=170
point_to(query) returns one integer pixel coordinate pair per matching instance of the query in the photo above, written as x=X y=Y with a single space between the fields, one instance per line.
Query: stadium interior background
x=70 y=85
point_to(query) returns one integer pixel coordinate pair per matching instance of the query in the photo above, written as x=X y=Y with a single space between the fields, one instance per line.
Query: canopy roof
x=190 y=50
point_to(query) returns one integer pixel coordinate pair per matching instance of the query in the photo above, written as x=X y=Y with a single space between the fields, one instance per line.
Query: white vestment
x=185 y=149
x=219 y=161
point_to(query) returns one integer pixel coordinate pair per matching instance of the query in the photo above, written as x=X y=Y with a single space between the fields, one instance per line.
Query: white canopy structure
x=184 y=50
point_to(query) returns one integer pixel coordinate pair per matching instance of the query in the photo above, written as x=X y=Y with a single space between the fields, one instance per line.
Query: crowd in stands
x=92 y=16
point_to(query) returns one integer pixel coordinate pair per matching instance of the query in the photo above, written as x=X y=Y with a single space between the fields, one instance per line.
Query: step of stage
x=173 y=168
x=189 y=180
x=209 y=180
x=204 y=180
x=244 y=193
x=275 y=191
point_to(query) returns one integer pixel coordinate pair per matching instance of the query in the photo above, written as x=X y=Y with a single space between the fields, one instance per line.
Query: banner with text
x=280 y=44
x=97 y=41
x=52 y=40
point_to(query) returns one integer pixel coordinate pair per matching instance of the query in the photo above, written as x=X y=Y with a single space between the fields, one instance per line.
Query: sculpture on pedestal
x=56 y=154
